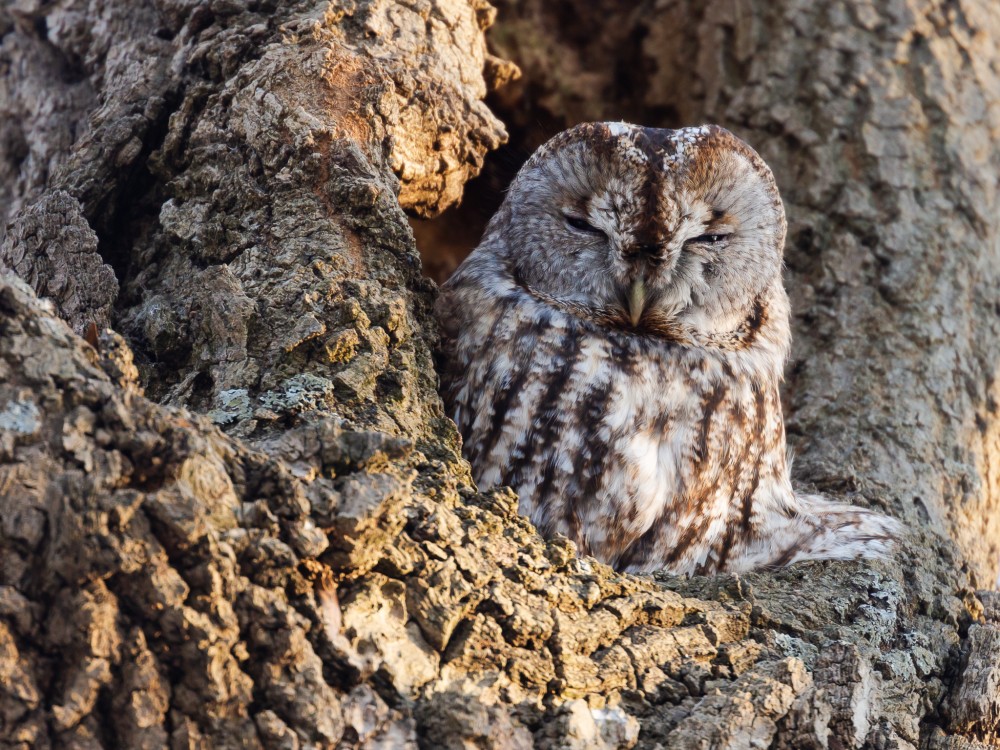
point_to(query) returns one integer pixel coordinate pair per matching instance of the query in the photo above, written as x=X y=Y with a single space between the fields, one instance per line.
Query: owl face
x=645 y=227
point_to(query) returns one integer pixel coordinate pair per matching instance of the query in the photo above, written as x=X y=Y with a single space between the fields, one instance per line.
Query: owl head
x=644 y=226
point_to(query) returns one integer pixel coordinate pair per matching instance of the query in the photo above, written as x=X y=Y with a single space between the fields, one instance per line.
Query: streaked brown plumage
x=613 y=350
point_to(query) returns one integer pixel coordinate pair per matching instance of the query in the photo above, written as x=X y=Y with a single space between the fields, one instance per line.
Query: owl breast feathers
x=613 y=348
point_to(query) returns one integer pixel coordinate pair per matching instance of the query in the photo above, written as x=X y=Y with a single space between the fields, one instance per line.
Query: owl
x=613 y=351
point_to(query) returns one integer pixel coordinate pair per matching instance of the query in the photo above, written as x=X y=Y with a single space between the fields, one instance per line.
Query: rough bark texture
x=259 y=533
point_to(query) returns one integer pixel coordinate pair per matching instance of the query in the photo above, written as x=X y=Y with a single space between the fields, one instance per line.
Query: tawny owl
x=613 y=348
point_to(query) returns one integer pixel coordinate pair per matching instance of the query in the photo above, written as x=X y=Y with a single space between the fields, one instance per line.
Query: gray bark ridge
x=278 y=546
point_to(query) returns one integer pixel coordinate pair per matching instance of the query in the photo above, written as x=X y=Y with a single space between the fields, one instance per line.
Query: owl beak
x=636 y=301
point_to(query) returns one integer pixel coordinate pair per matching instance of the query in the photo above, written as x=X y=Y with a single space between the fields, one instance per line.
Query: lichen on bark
x=242 y=520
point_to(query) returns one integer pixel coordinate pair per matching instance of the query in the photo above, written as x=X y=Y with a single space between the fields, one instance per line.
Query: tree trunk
x=242 y=520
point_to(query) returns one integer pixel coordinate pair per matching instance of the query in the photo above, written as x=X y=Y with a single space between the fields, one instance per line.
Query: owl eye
x=581 y=225
x=709 y=239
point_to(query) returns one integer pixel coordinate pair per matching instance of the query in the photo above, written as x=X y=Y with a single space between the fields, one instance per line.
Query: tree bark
x=242 y=520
